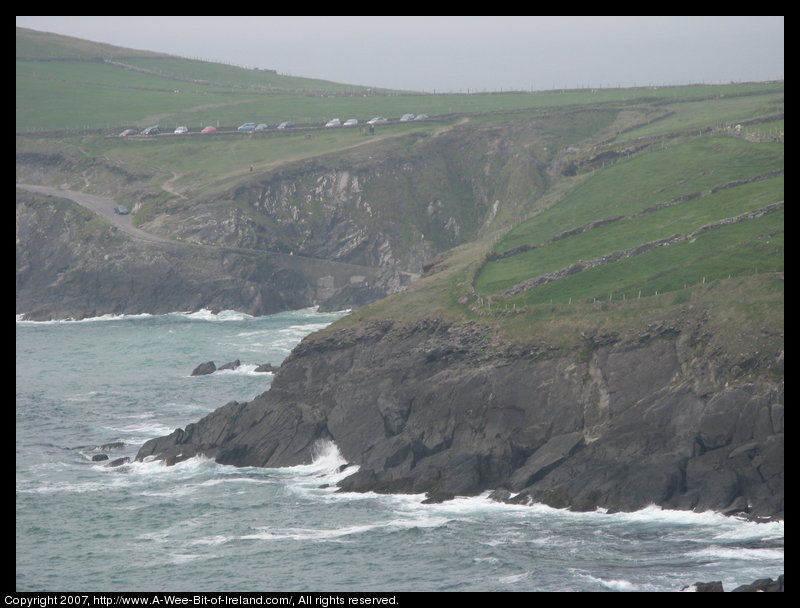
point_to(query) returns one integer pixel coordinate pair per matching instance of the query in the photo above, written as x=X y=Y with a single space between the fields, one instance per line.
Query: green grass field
x=621 y=193
x=80 y=92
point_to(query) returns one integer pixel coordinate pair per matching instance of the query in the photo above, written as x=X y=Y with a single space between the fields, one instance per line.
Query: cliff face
x=70 y=263
x=617 y=423
x=396 y=203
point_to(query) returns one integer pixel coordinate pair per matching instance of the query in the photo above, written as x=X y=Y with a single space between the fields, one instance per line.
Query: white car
x=377 y=120
x=406 y=117
x=181 y=130
x=334 y=123
x=350 y=122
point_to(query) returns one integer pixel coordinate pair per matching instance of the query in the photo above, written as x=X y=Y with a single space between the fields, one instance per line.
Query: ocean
x=82 y=525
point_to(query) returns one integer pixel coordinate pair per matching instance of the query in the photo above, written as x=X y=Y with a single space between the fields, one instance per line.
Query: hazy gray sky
x=474 y=53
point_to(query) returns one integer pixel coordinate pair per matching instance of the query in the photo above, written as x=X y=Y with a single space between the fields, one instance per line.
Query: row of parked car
x=246 y=127
x=251 y=127
x=352 y=122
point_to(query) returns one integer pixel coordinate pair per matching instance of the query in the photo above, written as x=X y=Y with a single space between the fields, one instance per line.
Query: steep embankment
x=394 y=202
x=669 y=413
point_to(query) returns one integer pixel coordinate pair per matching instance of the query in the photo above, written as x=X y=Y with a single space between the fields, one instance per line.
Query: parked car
x=350 y=122
x=151 y=131
x=248 y=126
x=128 y=132
x=286 y=125
x=121 y=210
x=406 y=117
x=377 y=120
x=335 y=122
x=209 y=130
x=181 y=130
x=261 y=127
x=421 y=117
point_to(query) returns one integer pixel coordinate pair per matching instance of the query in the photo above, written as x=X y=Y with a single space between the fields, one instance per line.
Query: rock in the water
x=266 y=367
x=763 y=585
x=119 y=462
x=230 y=365
x=99 y=457
x=204 y=369
x=712 y=587
x=116 y=445
x=760 y=585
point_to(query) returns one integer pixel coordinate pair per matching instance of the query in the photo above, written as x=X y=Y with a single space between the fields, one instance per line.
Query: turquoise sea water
x=199 y=526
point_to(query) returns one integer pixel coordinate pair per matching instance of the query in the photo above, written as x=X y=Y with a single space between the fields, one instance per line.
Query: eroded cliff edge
x=659 y=416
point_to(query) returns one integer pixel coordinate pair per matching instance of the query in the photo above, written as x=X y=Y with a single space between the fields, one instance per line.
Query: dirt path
x=101 y=206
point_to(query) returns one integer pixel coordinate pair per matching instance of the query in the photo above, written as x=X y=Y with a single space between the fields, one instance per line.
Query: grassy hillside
x=678 y=216
x=65 y=83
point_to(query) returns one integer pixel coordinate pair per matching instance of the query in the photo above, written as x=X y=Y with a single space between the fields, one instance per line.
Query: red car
x=209 y=130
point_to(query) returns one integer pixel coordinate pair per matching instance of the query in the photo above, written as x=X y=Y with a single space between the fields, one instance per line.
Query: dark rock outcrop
x=761 y=585
x=204 y=369
x=712 y=587
x=231 y=365
x=444 y=410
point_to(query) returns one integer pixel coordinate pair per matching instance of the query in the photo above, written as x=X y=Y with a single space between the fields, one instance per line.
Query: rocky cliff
x=70 y=263
x=617 y=422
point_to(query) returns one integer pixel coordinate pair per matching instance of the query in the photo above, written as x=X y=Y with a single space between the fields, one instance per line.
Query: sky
x=460 y=53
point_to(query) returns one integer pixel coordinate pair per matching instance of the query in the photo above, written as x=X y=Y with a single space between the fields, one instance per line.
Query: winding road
x=101 y=206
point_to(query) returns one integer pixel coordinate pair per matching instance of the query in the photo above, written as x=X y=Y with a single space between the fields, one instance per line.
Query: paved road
x=103 y=207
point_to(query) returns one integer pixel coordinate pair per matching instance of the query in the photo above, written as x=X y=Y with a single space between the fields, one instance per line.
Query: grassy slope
x=79 y=92
x=733 y=273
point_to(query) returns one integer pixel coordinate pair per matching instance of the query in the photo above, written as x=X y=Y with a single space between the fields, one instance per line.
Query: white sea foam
x=245 y=369
x=719 y=553
x=109 y=317
x=218 y=539
x=612 y=584
x=511 y=579
x=183 y=558
x=338 y=533
x=224 y=315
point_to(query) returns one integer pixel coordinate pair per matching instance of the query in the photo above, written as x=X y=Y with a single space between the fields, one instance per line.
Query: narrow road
x=103 y=207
